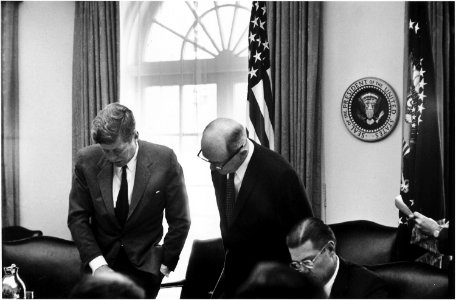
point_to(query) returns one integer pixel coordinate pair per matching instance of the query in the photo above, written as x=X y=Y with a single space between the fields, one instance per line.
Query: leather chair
x=413 y=280
x=204 y=268
x=49 y=266
x=16 y=233
x=365 y=242
x=360 y=241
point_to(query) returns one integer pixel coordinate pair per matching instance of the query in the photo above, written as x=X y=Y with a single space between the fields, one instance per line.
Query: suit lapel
x=248 y=183
x=340 y=286
x=219 y=182
x=105 y=183
x=143 y=173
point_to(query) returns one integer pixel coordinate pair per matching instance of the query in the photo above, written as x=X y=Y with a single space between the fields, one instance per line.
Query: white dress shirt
x=131 y=174
x=328 y=286
x=240 y=172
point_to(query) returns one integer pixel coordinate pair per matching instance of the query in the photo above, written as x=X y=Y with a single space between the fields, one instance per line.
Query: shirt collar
x=243 y=167
x=328 y=286
x=131 y=165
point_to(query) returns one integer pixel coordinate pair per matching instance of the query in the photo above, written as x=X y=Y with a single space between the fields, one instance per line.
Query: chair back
x=204 y=268
x=49 y=266
x=412 y=280
x=365 y=242
x=16 y=233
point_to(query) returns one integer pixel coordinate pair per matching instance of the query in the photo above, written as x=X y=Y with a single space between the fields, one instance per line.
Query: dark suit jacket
x=159 y=186
x=354 y=281
x=270 y=201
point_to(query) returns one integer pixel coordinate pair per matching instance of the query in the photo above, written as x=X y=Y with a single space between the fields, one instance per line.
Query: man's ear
x=332 y=246
x=136 y=134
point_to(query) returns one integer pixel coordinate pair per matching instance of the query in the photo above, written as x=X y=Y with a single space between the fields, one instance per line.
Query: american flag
x=422 y=182
x=259 y=96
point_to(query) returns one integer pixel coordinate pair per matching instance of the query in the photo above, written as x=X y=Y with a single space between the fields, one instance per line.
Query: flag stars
x=259 y=42
x=422 y=83
x=419 y=120
x=422 y=72
x=255 y=22
x=252 y=72
x=257 y=56
x=257 y=5
x=421 y=108
x=266 y=45
x=252 y=37
x=262 y=24
x=421 y=96
x=264 y=9
x=411 y=24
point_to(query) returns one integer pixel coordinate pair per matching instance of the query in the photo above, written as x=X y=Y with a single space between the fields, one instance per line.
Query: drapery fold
x=10 y=114
x=295 y=45
x=441 y=20
x=96 y=62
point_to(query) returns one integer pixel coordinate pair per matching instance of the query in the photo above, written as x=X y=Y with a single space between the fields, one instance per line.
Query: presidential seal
x=370 y=109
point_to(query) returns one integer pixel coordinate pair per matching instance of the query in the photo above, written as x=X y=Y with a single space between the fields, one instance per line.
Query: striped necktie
x=230 y=198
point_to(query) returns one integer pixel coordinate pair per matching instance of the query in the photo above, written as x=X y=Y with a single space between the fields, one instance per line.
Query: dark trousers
x=149 y=282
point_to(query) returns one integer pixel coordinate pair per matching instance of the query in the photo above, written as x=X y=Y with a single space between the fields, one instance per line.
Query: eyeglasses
x=219 y=165
x=307 y=263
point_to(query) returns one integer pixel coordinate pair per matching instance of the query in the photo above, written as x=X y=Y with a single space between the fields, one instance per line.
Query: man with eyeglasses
x=259 y=198
x=312 y=246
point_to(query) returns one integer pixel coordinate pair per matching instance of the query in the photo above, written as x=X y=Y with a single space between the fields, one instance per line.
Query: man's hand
x=164 y=270
x=426 y=225
x=102 y=269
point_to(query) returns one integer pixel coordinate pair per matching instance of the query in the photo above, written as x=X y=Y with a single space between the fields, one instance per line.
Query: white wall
x=360 y=39
x=45 y=72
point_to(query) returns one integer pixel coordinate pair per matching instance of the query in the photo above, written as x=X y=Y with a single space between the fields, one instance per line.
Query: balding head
x=221 y=138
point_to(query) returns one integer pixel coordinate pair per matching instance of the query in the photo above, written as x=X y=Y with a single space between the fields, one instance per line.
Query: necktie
x=122 y=199
x=229 y=200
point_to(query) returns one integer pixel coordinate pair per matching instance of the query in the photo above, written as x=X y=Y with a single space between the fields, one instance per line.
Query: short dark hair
x=273 y=280
x=312 y=229
x=111 y=122
x=107 y=286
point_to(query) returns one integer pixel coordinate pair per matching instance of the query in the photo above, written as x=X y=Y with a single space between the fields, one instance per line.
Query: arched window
x=184 y=64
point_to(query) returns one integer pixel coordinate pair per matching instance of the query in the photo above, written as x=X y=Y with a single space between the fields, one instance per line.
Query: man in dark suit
x=121 y=187
x=312 y=246
x=259 y=198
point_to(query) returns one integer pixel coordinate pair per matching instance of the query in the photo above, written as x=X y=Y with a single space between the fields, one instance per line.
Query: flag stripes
x=260 y=102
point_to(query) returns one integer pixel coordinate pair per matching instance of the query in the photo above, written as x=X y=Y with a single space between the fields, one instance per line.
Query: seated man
x=108 y=285
x=312 y=246
x=273 y=280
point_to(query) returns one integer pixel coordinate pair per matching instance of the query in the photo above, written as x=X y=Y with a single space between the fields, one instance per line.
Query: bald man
x=256 y=215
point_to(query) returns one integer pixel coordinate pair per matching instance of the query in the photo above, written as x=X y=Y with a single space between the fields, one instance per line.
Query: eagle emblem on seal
x=369 y=111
